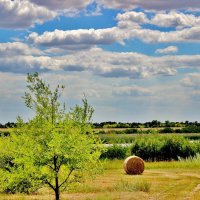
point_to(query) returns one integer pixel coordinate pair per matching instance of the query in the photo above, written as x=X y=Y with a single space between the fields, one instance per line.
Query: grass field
x=160 y=181
x=129 y=138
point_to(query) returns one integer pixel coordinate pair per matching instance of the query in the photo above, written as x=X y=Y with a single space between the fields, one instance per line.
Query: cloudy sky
x=136 y=60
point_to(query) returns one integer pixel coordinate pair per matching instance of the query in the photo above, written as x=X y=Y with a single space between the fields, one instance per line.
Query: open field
x=122 y=129
x=160 y=181
x=129 y=138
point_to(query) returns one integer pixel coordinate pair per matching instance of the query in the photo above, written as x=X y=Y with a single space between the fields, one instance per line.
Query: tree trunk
x=57 y=190
x=57 y=193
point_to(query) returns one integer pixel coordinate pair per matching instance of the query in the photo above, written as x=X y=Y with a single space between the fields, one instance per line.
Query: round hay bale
x=134 y=165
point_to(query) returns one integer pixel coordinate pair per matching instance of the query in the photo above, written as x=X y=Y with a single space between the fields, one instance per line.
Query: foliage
x=115 y=152
x=4 y=133
x=131 y=131
x=152 y=124
x=54 y=148
x=158 y=148
x=191 y=129
x=168 y=179
x=111 y=124
x=167 y=130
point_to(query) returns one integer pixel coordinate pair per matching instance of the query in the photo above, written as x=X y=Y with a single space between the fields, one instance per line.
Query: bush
x=167 y=130
x=19 y=186
x=147 y=148
x=4 y=133
x=178 y=130
x=115 y=152
x=191 y=129
x=131 y=131
x=175 y=147
x=163 y=148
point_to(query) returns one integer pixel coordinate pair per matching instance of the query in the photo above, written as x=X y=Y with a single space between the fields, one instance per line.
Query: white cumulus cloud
x=167 y=50
x=131 y=18
x=97 y=62
x=175 y=19
x=63 y=4
x=129 y=26
x=19 y=14
x=18 y=48
x=150 y=5
x=76 y=37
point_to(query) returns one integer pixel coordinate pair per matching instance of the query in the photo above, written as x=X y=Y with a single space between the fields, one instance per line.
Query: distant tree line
x=113 y=124
x=152 y=124
x=8 y=125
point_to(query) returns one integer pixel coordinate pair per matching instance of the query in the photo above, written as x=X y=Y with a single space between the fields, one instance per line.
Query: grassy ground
x=160 y=181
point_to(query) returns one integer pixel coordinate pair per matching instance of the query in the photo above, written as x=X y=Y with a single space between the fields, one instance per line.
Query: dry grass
x=160 y=181
x=134 y=165
x=4 y=129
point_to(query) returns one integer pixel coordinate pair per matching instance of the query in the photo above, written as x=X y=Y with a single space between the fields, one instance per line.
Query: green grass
x=129 y=138
x=176 y=180
x=190 y=163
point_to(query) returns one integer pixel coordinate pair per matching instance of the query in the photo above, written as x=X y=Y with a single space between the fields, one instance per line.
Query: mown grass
x=176 y=180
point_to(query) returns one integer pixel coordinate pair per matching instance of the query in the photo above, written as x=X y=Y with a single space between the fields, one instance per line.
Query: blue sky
x=134 y=60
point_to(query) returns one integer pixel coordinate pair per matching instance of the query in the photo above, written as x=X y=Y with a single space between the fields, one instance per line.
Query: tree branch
x=50 y=185
x=70 y=172
x=50 y=167
x=61 y=162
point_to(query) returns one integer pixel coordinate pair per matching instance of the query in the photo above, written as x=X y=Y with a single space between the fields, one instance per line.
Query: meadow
x=163 y=180
x=160 y=181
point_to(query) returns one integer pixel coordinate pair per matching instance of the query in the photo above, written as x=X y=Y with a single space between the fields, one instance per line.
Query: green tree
x=54 y=148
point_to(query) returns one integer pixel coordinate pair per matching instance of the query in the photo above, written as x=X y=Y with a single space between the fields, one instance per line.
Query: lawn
x=160 y=181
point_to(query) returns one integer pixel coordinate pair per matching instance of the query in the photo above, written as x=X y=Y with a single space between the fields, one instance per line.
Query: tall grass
x=154 y=147
x=163 y=148
x=129 y=138
x=132 y=186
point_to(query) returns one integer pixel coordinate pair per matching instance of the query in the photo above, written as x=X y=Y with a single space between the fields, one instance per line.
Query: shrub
x=130 y=131
x=191 y=129
x=4 y=133
x=161 y=148
x=148 y=148
x=167 y=130
x=21 y=186
x=175 y=147
x=115 y=152
x=178 y=130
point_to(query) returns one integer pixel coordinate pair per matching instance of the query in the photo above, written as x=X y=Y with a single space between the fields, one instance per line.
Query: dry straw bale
x=134 y=165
